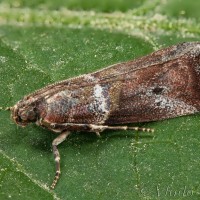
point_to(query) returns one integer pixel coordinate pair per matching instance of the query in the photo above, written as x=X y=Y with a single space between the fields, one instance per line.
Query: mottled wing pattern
x=159 y=91
x=115 y=71
x=162 y=85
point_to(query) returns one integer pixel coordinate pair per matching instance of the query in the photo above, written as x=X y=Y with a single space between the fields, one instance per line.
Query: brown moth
x=162 y=85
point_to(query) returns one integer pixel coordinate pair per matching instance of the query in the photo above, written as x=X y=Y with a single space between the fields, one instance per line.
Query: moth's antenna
x=6 y=108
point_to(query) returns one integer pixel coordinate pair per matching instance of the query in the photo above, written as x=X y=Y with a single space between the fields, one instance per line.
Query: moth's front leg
x=55 y=143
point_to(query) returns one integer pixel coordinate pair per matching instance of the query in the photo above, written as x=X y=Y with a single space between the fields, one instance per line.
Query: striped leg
x=55 y=143
x=135 y=128
x=99 y=128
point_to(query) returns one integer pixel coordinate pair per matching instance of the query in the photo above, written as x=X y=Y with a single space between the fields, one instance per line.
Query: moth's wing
x=162 y=85
x=159 y=57
x=165 y=90
x=115 y=72
x=162 y=91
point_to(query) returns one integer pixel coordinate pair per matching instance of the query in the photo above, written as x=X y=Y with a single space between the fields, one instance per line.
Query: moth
x=162 y=85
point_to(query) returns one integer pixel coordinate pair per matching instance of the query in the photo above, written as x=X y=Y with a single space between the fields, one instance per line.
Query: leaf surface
x=44 y=43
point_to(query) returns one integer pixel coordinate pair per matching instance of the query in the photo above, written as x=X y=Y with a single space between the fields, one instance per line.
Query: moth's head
x=23 y=113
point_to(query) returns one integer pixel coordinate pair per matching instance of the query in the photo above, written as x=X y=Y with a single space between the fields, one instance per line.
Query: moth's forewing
x=161 y=91
x=114 y=72
x=162 y=85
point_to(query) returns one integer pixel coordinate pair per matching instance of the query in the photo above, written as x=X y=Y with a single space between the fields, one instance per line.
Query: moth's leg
x=92 y=127
x=99 y=128
x=55 y=143
x=89 y=127
x=135 y=128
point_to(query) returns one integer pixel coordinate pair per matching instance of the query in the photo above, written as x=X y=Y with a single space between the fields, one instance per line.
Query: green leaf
x=104 y=5
x=41 y=43
x=14 y=181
